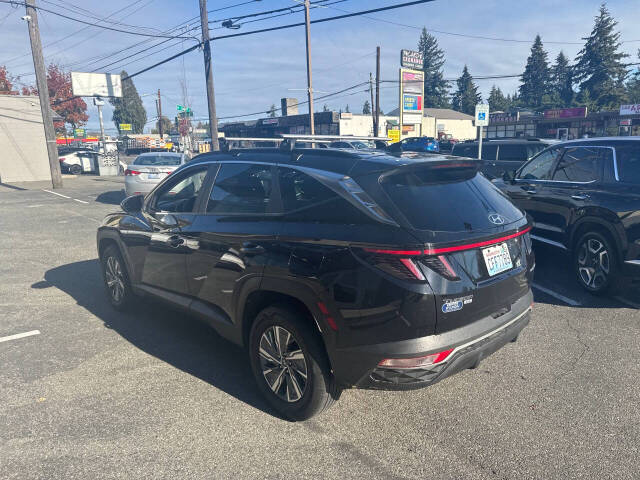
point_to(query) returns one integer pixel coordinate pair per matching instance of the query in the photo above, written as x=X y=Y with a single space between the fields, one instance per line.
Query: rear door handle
x=580 y=196
x=175 y=241
x=249 y=248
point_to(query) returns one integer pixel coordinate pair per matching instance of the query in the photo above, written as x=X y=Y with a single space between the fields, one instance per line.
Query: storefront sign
x=408 y=128
x=630 y=109
x=411 y=103
x=626 y=122
x=79 y=132
x=269 y=121
x=346 y=115
x=504 y=117
x=578 y=112
x=413 y=82
x=394 y=135
x=125 y=127
x=411 y=59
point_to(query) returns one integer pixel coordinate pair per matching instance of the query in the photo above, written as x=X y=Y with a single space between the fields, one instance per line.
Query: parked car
x=584 y=198
x=77 y=160
x=350 y=145
x=333 y=268
x=148 y=169
x=500 y=156
x=420 y=144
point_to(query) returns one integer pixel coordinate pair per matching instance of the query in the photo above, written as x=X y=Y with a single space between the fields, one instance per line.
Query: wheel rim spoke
x=283 y=363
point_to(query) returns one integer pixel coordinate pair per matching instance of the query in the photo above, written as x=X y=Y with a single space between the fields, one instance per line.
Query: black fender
x=610 y=223
x=112 y=235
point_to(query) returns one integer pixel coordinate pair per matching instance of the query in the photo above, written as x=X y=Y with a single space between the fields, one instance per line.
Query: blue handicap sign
x=482 y=116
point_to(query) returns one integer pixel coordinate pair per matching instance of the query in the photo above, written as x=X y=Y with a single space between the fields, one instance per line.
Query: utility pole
x=373 y=107
x=211 y=99
x=377 y=122
x=309 y=74
x=160 y=116
x=43 y=93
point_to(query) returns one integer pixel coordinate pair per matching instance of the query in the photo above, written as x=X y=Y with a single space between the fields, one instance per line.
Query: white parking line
x=628 y=302
x=55 y=193
x=562 y=298
x=81 y=201
x=19 y=335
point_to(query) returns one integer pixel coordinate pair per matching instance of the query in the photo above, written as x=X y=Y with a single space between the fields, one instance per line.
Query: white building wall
x=23 y=150
x=459 y=129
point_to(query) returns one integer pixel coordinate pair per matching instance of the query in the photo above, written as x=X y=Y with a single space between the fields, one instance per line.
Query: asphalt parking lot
x=154 y=394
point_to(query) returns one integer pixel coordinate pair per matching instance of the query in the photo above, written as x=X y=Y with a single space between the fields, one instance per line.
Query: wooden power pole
x=309 y=74
x=377 y=122
x=43 y=93
x=211 y=99
x=160 y=128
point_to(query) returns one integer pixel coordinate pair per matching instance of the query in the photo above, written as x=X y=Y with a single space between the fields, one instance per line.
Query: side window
x=628 y=158
x=470 y=151
x=540 y=167
x=241 y=188
x=305 y=199
x=579 y=164
x=180 y=194
x=489 y=152
x=513 y=153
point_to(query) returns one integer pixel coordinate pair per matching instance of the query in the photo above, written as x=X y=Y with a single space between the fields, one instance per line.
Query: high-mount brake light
x=418 y=362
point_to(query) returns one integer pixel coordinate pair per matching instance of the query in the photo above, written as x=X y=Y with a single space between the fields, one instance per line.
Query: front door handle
x=175 y=241
x=580 y=196
x=249 y=248
x=531 y=190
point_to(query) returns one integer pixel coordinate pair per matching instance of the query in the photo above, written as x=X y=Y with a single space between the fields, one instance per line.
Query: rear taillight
x=441 y=265
x=62 y=159
x=417 y=362
x=131 y=172
x=397 y=263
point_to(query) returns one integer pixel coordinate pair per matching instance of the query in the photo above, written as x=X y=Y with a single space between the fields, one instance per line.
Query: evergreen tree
x=599 y=68
x=366 y=108
x=129 y=108
x=346 y=110
x=436 y=88
x=562 y=93
x=272 y=111
x=536 y=78
x=633 y=87
x=466 y=97
x=497 y=101
x=325 y=108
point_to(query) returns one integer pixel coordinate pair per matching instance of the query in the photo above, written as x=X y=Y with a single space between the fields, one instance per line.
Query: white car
x=148 y=169
x=77 y=160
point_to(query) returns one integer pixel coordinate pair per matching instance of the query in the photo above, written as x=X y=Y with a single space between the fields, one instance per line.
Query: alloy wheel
x=593 y=263
x=283 y=363
x=115 y=279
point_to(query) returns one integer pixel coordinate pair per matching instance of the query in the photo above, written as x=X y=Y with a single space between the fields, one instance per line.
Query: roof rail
x=287 y=141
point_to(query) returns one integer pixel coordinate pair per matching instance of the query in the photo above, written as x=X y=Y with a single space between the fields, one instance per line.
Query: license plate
x=151 y=176
x=497 y=259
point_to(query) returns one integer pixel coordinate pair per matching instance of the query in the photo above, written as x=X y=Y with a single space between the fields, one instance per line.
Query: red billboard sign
x=578 y=112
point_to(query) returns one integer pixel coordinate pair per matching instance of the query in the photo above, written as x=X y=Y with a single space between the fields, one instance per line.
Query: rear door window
x=241 y=188
x=470 y=151
x=540 y=167
x=628 y=158
x=579 y=164
x=489 y=152
x=305 y=199
x=512 y=153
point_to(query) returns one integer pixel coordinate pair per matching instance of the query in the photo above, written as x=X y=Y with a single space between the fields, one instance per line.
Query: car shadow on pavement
x=114 y=197
x=169 y=335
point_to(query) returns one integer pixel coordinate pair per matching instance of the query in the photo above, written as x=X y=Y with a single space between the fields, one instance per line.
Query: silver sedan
x=148 y=169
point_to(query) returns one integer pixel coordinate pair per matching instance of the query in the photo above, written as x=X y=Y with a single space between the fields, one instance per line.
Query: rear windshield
x=448 y=206
x=158 y=160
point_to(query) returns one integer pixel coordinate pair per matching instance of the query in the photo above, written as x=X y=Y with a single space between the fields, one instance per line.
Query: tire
x=75 y=169
x=116 y=279
x=595 y=262
x=280 y=372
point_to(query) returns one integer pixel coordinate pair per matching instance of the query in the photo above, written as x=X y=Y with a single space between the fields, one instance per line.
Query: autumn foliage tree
x=72 y=110
x=6 y=85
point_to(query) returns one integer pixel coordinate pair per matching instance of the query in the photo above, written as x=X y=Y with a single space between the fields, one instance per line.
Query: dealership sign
x=411 y=103
x=413 y=82
x=566 y=113
x=630 y=109
x=411 y=59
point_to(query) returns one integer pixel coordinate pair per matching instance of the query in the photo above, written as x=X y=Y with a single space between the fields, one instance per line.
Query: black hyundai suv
x=584 y=198
x=333 y=268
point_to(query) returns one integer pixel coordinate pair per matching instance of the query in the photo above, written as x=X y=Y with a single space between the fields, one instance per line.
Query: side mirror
x=508 y=176
x=132 y=204
x=381 y=145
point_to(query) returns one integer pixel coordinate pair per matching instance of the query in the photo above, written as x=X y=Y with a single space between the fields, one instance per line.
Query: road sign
x=180 y=108
x=125 y=127
x=79 y=132
x=482 y=115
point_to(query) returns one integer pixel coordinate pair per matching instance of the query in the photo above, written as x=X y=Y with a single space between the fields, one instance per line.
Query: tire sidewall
x=613 y=264
x=316 y=386
x=112 y=251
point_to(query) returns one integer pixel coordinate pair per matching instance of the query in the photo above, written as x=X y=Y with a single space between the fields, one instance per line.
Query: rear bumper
x=358 y=366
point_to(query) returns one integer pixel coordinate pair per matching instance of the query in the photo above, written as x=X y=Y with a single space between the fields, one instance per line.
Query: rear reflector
x=418 y=362
x=330 y=321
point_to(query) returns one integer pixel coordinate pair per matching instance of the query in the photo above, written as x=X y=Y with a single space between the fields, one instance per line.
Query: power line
x=282 y=27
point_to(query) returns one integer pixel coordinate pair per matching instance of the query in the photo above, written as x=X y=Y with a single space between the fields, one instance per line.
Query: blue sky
x=252 y=72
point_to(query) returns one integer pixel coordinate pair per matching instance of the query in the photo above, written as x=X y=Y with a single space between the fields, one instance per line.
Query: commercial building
x=438 y=121
x=23 y=146
x=565 y=123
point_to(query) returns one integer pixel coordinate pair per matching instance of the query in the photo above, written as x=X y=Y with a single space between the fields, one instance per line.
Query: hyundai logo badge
x=496 y=219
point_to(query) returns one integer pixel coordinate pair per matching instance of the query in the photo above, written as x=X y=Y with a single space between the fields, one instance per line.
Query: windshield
x=158 y=160
x=360 y=145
